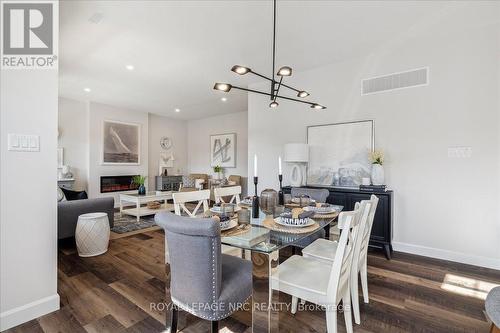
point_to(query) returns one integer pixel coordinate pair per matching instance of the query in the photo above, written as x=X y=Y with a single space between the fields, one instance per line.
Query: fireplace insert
x=117 y=183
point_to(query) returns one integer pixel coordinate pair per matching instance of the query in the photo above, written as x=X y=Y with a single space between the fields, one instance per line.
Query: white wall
x=74 y=138
x=199 y=132
x=28 y=197
x=175 y=129
x=446 y=208
x=97 y=114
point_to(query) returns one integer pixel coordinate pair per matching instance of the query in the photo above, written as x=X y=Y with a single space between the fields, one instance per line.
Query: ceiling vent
x=401 y=80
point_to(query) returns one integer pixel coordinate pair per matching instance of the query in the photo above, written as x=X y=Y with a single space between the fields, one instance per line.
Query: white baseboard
x=447 y=255
x=27 y=312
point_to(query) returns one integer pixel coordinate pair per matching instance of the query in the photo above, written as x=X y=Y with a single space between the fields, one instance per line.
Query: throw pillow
x=188 y=181
x=74 y=195
x=60 y=195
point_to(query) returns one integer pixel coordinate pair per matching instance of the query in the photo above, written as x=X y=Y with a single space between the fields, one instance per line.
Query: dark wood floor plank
x=107 y=324
x=144 y=295
x=61 y=321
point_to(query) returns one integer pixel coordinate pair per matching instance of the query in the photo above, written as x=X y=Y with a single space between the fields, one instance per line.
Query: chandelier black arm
x=278 y=90
x=267 y=94
x=269 y=79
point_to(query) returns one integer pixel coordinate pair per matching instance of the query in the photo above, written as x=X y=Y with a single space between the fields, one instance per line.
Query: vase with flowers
x=377 y=160
x=139 y=181
x=218 y=172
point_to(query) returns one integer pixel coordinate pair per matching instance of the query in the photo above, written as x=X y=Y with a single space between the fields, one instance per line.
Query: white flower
x=377 y=157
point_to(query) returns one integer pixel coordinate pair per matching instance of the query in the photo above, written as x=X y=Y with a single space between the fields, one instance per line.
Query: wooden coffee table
x=138 y=200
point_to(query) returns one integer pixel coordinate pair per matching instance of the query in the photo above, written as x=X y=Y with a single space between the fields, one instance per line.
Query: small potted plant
x=218 y=171
x=377 y=160
x=139 y=180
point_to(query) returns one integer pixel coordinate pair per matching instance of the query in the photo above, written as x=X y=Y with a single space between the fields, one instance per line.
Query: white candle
x=255 y=165
x=279 y=166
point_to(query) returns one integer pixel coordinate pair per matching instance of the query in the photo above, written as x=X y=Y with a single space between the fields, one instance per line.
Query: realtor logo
x=28 y=35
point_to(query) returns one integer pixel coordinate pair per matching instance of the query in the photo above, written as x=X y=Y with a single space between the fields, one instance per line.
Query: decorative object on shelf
x=66 y=172
x=139 y=180
x=365 y=181
x=255 y=199
x=268 y=200
x=60 y=157
x=166 y=161
x=338 y=153
x=217 y=172
x=223 y=150
x=165 y=143
x=372 y=188
x=377 y=159
x=121 y=143
x=275 y=85
x=298 y=154
x=280 y=179
x=153 y=205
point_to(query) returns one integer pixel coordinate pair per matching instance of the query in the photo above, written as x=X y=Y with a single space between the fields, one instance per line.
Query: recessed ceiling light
x=224 y=99
x=130 y=67
x=177 y=110
x=87 y=89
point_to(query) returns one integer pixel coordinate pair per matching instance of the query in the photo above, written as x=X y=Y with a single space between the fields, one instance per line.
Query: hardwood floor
x=118 y=292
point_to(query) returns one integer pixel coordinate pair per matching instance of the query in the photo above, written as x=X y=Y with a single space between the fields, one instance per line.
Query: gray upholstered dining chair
x=204 y=282
x=319 y=195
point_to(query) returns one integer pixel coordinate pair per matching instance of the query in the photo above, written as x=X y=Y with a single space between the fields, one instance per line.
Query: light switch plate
x=23 y=142
x=459 y=152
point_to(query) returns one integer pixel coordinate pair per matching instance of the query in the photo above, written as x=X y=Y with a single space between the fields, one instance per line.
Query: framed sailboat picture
x=121 y=143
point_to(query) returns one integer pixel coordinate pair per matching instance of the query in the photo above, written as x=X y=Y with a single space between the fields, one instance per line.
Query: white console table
x=138 y=200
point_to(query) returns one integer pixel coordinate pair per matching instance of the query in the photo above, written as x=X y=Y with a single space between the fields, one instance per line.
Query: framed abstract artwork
x=338 y=153
x=223 y=150
x=121 y=143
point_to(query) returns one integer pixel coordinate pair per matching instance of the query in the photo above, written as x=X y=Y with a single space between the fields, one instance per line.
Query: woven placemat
x=326 y=216
x=317 y=216
x=270 y=224
x=238 y=230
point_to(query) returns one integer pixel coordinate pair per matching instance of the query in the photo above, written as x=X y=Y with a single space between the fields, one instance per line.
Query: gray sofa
x=68 y=212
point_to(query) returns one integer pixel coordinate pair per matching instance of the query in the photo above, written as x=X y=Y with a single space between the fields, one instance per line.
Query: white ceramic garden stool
x=92 y=234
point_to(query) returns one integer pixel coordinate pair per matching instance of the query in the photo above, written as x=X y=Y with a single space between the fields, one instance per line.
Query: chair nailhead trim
x=187 y=309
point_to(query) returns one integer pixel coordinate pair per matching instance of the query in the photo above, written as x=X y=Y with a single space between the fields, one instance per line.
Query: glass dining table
x=265 y=259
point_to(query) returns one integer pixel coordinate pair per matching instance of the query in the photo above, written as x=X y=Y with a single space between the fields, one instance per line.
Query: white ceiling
x=180 y=48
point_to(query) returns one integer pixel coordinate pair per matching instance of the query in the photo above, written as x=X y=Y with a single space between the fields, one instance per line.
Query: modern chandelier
x=275 y=85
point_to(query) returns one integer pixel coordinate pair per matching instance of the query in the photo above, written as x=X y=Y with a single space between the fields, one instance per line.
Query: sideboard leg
x=387 y=251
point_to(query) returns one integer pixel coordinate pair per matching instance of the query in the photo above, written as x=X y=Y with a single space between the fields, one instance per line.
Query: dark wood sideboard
x=381 y=236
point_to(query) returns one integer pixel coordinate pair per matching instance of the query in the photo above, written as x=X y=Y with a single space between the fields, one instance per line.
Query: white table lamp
x=298 y=154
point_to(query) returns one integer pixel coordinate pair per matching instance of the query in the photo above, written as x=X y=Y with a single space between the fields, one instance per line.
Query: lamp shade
x=296 y=152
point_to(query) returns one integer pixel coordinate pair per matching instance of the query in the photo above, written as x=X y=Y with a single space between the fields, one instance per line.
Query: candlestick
x=255 y=165
x=280 y=172
x=255 y=200
x=281 y=198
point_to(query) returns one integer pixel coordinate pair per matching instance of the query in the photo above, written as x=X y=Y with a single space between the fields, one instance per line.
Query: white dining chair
x=233 y=191
x=325 y=251
x=181 y=198
x=321 y=283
